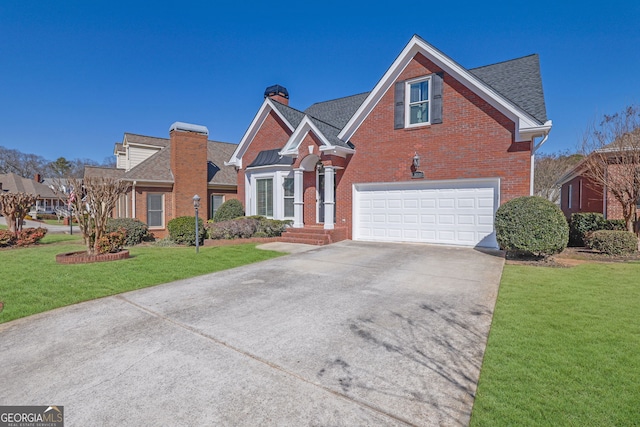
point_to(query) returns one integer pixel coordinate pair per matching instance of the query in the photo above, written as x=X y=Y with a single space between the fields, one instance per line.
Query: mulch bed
x=571 y=257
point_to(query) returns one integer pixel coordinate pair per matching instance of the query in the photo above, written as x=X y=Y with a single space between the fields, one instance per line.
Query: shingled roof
x=157 y=168
x=519 y=81
x=102 y=172
x=13 y=183
x=337 y=112
x=133 y=138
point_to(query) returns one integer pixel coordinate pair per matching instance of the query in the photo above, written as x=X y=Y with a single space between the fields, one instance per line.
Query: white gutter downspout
x=535 y=148
x=133 y=199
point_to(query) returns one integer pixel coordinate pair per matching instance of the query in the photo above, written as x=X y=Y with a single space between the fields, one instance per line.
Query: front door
x=320 y=187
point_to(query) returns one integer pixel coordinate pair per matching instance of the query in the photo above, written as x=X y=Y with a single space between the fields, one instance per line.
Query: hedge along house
x=165 y=174
x=427 y=156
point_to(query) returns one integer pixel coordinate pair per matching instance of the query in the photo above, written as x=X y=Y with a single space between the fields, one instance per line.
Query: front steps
x=314 y=235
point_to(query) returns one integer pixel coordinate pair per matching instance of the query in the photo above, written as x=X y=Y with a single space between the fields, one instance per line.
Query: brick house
x=579 y=192
x=427 y=156
x=165 y=174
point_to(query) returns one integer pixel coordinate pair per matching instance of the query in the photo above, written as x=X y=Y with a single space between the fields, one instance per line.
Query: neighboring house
x=47 y=201
x=581 y=193
x=165 y=174
x=427 y=156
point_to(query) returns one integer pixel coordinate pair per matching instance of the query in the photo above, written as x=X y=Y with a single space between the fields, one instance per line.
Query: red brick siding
x=474 y=141
x=273 y=134
x=141 y=206
x=585 y=199
x=189 y=168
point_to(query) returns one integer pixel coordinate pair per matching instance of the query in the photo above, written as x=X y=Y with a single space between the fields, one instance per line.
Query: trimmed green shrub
x=615 y=224
x=231 y=209
x=613 y=242
x=531 y=225
x=272 y=227
x=240 y=228
x=246 y=227
x=136 y=231
x=182 y=230
x=583 y=223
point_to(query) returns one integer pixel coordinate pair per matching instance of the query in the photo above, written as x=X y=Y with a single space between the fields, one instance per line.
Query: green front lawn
x=564 y=348
x=32 y=281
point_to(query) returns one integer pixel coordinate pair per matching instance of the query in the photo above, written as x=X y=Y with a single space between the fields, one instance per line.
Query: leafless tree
x=613 y=161
x=549 y=168
x=14 y=207
x=92 y=200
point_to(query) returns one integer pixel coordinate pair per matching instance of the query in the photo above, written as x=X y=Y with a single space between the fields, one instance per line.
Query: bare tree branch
x=549 y=168
x=93 y=200
x=613 y=161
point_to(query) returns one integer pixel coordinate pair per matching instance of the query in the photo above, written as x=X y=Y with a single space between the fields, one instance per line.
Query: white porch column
x=298 y=203
x=329 y=197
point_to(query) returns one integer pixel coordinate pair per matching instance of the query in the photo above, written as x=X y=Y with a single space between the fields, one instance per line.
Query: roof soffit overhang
x=291 y=148
x=266 y=108
x=527 y=127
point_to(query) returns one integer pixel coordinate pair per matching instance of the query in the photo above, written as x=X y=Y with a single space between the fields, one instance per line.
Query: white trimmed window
x=288 y=197
x=264 y=197
x=216 y=201
x=155 y=210
x=418 y=102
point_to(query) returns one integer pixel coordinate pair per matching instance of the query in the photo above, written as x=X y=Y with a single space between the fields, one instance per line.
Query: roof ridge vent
x=188 y=127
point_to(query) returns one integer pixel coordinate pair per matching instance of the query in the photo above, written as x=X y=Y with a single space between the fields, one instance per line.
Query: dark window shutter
x=399 y=106
x=436 y=98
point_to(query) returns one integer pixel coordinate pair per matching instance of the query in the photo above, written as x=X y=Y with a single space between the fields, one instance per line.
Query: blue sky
x=76 y=75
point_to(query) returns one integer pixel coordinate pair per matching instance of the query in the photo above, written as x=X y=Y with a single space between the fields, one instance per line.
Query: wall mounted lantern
x=415 y=173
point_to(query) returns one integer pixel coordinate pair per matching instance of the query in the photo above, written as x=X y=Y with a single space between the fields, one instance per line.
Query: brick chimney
x=277 y=93
x=189 y=167
x=37 y=178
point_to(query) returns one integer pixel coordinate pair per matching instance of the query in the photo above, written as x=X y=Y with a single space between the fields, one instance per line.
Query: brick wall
x=474 y=141
x=272 y=134
x=141 y=207
x=189 y=168
x=586 y=196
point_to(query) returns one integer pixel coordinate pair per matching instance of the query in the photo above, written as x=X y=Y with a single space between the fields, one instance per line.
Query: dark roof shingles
x=519 y=81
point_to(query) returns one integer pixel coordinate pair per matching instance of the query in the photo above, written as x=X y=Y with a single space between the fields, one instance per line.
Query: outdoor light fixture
x=415 y=173
x=196 y=205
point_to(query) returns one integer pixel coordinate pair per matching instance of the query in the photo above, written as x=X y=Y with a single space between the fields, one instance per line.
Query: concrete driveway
x=351 y=334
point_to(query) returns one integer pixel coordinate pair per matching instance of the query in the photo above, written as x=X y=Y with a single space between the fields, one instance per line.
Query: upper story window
x=417 y=93
x=418 y=102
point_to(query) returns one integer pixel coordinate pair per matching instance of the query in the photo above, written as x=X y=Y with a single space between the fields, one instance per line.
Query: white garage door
x=456 y=212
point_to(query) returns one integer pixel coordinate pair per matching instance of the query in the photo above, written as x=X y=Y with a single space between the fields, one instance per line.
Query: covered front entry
x=455 y=212
x=325 y=186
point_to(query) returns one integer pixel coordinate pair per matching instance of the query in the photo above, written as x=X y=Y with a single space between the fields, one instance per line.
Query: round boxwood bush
x=136 y=230
x=531 y=226
x=231 y=209
x=583 y=223
x=182 y=230
x=613 y=242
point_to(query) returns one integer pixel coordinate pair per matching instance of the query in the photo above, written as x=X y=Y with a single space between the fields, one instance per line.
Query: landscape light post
x=196 y=205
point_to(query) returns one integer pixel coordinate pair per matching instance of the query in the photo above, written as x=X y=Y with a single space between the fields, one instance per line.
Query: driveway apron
x=349 y=334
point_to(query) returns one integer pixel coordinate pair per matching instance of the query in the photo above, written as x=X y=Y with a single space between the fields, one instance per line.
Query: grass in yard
x=564 y=348
x=32 y=281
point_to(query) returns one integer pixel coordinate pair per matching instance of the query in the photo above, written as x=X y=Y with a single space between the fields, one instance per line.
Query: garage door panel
x=451 y=212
